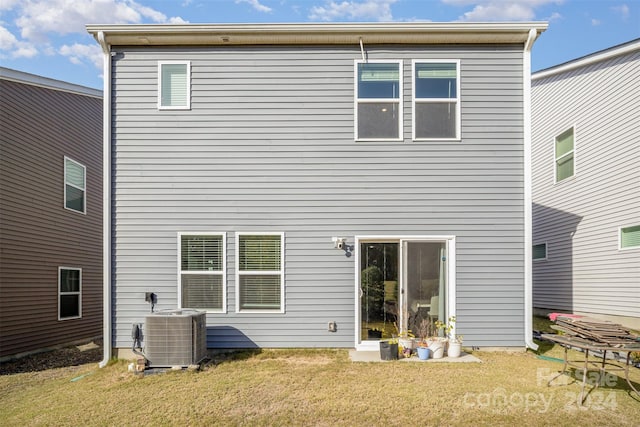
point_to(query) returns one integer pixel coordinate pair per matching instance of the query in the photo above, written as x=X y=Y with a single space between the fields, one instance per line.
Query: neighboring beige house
x=586 y=185
x=50 y=213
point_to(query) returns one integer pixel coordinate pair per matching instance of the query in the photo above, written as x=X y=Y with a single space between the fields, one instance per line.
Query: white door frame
x=451 y=275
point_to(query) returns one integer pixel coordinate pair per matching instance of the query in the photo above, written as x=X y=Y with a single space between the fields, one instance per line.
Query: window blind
x=630 y=237
x=174 y=85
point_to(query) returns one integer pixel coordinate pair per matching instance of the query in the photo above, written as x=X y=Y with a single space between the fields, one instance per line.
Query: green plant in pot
x=454 y=347
x=438 y=341
x=406 y=341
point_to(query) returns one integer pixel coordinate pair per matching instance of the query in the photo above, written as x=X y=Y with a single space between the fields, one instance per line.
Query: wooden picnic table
x=593 y=346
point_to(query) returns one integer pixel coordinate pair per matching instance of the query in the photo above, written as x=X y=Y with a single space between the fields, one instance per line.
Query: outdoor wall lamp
x=341 y=243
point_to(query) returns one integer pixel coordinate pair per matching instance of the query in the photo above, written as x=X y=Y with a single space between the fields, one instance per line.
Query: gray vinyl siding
x=268 y=145
x=579 y=218
x=40 y=126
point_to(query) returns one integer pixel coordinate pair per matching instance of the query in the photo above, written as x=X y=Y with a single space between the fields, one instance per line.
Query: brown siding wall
x=39 y=127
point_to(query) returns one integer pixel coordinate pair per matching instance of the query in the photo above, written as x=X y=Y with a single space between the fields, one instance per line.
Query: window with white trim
x=69 y=293
x=564 y=155
x=202 y=265
x=630 y=237
x=378 y=100
x=540 y=251
x=75 y=184
x=174 y=85
x=436 y=100
x=260 y=272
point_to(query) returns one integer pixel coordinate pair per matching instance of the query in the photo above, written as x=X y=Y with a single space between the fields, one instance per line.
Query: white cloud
x=622 y=10
x=16 y=48
x=8 y=4
x=256 y=5
x=555 y=16
x=80 y=53
x=37 y=18
x=500 y=10
x=379 y=10
x=595 y=22
x=38 y=21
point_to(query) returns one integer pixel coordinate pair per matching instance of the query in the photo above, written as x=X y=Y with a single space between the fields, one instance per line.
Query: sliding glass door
x=402 y=283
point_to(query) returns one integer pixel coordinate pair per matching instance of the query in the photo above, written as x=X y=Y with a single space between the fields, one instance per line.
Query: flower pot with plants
x=424 y=352
x=437 y=345
x=454 y=347
x=406 y=342
x=389 y=349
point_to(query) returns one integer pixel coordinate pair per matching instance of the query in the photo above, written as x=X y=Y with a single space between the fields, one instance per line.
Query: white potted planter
x=454 y=349
x=437 y=348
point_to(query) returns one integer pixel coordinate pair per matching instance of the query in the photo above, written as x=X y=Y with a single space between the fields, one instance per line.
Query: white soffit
x=327 y=34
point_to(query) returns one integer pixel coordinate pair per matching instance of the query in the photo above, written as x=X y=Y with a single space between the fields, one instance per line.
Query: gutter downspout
x=528 y=200
x=106 y=201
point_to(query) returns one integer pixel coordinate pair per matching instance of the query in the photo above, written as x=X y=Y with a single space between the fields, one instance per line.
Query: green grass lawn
x=316 y=387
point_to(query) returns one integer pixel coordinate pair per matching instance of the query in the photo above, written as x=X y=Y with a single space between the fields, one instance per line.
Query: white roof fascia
x=349 y=33
x=588 y=60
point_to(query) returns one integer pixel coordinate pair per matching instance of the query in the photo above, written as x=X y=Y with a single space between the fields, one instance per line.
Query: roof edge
x=46 y=82
x=317 y=33
x=592 y=58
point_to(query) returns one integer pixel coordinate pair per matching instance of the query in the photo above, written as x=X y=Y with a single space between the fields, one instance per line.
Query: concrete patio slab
x=374 y=356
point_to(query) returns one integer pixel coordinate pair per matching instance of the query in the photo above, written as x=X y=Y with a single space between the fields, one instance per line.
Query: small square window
x=630 y=237
x=69 y=293
x=564 y=155
x=260 y=272
x=540 y=251
x=174 y=85
x=74 y=186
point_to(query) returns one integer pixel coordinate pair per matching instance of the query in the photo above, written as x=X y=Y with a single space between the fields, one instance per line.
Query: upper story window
x=564 y=155
x=436 y=100
x=174 y=85
x=260 y=272
x=630 y=237
x=202 y=264
x=69 y=293
x=74 y=186
x=378 y=100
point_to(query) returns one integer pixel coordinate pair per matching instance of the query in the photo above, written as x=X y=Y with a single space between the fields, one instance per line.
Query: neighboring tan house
x=586 y=185
x=308 y=185
x=50 y=213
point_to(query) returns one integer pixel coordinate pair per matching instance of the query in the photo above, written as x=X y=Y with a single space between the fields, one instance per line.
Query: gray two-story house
x=319 y=185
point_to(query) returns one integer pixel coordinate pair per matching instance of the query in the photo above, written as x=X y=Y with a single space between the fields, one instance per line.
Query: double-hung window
x=260 y=272
x=174 y=85
x=202 y=265
x=630 y=237
x=378 y=109
x=564 y=155
x=436 y=100
x=75 y=184
x=69 y=293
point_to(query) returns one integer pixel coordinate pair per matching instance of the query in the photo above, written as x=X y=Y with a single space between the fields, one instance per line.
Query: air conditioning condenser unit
x=175 y=338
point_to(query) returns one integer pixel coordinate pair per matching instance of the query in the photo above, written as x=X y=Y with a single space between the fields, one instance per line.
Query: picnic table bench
x=594 y=336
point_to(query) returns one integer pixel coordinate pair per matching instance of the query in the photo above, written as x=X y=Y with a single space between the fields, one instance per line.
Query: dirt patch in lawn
x=60 y=358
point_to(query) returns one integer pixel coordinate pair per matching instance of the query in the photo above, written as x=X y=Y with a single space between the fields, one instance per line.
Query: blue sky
x=48 y=37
